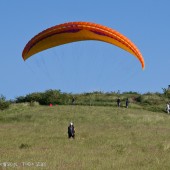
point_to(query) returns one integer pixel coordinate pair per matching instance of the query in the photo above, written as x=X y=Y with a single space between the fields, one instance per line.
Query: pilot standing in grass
x=71 y=131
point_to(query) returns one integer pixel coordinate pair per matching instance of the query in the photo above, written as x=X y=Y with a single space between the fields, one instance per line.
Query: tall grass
x=106 y=138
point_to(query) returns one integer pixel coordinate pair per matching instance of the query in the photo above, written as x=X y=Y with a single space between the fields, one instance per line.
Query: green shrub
x=20 y=99
x=166 y=92
x=54 y=97
x=139 y=99
x=3 y=103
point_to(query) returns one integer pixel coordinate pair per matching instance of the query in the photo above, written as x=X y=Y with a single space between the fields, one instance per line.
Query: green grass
x=106 y=138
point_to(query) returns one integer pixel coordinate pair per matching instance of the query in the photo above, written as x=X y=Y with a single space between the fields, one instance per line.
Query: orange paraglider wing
x=79 y=31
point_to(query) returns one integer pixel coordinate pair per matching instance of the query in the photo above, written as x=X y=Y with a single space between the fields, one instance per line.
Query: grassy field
x=107 y=138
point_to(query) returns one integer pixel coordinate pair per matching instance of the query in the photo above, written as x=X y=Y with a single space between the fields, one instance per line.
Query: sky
x=89 y=65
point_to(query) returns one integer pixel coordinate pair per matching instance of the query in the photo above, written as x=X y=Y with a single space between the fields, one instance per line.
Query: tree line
x=96 y=98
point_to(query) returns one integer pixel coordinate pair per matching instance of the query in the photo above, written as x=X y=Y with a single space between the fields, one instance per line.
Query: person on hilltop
x=118 y=102
x=168 y=107
x=127 y=103
x=73 y=100
x=71 y=131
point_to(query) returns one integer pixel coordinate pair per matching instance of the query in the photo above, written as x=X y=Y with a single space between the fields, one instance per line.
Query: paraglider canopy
x=79 y=31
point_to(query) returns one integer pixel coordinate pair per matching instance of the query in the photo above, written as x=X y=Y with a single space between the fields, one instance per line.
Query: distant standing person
x=118 y=102
x=127 y=103
x=168 y=107
x=73 y=100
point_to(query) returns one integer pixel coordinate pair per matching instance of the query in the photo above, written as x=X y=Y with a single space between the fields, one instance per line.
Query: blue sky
x=89 y=65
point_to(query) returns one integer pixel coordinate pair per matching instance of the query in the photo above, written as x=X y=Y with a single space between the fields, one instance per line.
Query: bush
x=3 y=103
x=34 y=97
x=140 y=99
x=54 y=97
x=166 y=92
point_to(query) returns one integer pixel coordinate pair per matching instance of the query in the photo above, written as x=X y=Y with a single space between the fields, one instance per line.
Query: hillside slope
x=106 y=138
